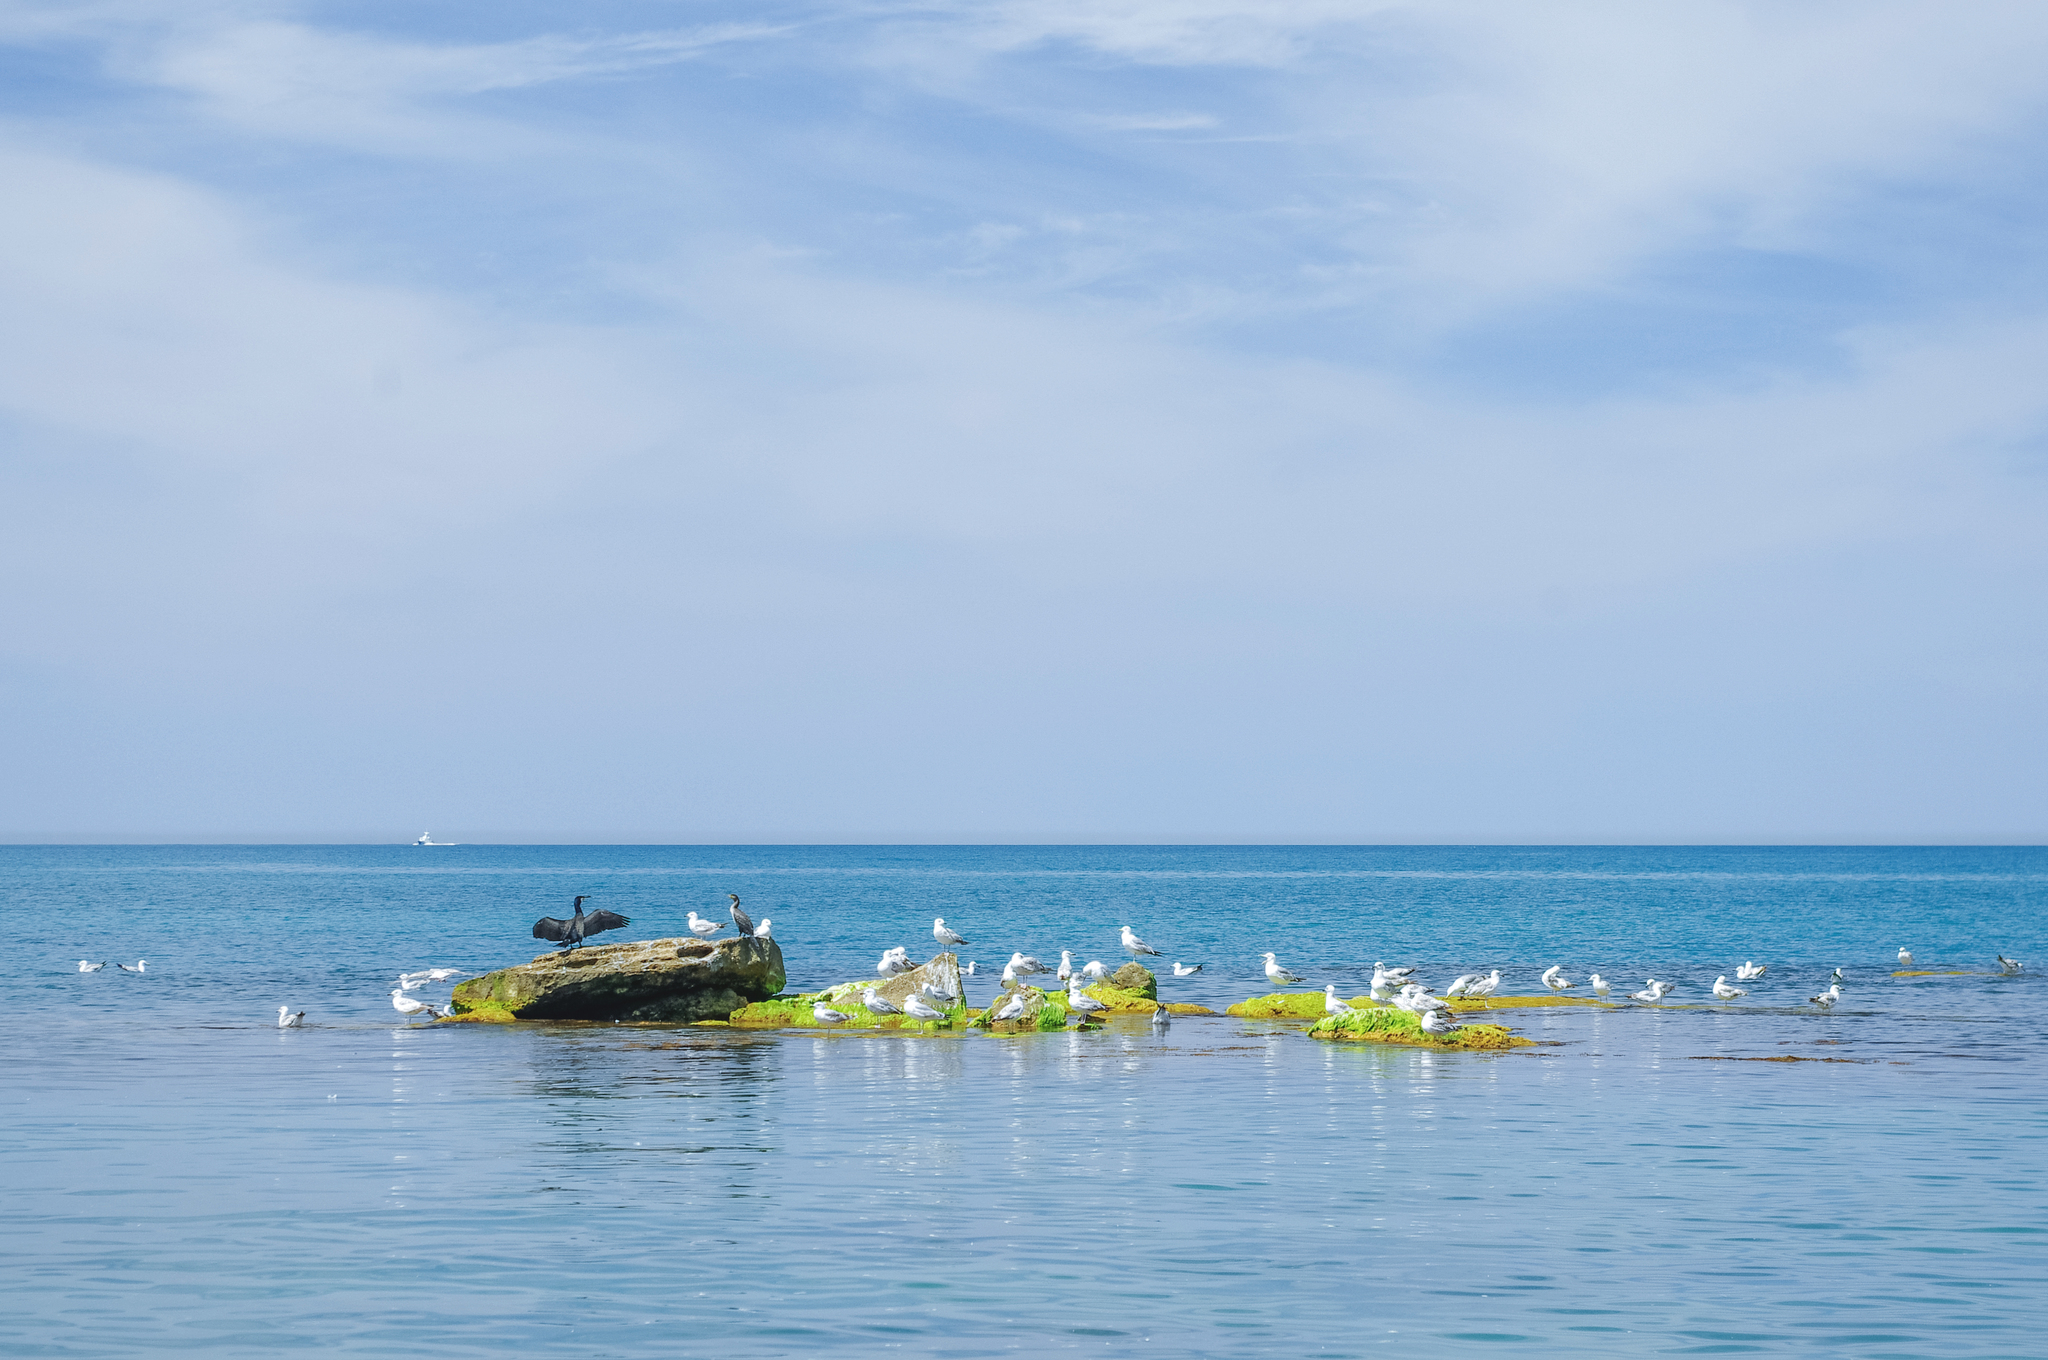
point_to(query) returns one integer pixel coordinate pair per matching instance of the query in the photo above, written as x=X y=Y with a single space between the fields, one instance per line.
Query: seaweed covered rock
x=1042 y=1012
x=1288 y=1006
x=675 y=980
x=1392 y=1025
x=1135 y=977
x=940 y=973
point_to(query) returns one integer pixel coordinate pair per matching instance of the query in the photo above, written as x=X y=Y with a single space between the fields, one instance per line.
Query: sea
x=182 y=1176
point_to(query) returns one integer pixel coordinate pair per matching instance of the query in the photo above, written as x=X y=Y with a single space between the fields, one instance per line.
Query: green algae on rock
x=673 y=981
x=941 y=971
x=1310 y=1005
x=1392 y=1025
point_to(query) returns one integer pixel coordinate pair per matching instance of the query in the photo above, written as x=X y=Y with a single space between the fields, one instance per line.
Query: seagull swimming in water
x=2005 y=965
x=918 y=1008
x=1275 y=973
x=1725 y=992
x=945 y=934
x=1136 y=945
x=1183 y=970
x=406 y=1005
x=1161 y=1017
x=141 y=966
x=879 y=1004
x=85 y=967
x=1905 y=957
x=1828 y=998
x=287 y=1020
x=968 y=971
x=825 y=1015
x=702 y=928
x=1750 y=972
x=570 y=934
x=1838 y=976
x=1331 y=1005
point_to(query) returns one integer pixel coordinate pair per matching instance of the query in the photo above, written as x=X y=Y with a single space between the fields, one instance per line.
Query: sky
x=1025 y=420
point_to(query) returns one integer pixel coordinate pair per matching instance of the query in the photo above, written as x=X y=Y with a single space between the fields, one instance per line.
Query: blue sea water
x=181 y=1176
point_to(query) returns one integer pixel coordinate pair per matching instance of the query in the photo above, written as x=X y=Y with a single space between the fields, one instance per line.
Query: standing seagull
x=1599 y=984
x=1275 y=973
x=406 y=1005
x=1727 y=993
x=825 y=1015
x=1331 y=1005
x=1084 y=1004
x=1829 y=997
x=1012 y=1008
x=1136 y=945
x=85 y=967
x=702 y=928
x=1066 y=965
x=879 y=1004
x=918 y=1008
x=286 y=1020
x=945 y=934
x=741 y=922
x=570 y=934
x=1750 y=972
x=1905 y=957
x=1486 y=987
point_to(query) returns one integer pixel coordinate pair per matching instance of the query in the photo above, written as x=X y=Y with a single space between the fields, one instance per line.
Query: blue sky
x=1033 y=420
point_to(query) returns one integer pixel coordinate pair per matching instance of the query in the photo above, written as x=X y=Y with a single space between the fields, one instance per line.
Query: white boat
x=427 y=838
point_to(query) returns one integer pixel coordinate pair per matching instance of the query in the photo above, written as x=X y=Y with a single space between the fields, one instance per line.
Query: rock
x=1041 y=1012
x=942 y=971
x=1136 y=977
x=676 y=980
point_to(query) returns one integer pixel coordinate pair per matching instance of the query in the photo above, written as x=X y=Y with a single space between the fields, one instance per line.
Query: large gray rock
x=675 y=980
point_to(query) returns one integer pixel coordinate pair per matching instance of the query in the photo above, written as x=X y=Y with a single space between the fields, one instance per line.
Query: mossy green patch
x=794 y=1012
x=1392 y=1025
x=1310 y=1005
x=488 y=1013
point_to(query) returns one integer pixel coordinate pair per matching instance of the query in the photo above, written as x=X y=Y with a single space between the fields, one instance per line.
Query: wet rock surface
x=673 y=980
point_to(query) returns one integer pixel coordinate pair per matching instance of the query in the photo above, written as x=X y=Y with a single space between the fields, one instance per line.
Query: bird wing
x=604 y=920
x=551 y=928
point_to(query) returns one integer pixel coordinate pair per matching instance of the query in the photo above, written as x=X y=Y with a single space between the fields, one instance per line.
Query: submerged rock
x=1392 y=1025
x=676 y=980
x=1309 y=1005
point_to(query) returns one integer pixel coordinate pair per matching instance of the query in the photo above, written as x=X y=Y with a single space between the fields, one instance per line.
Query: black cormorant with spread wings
x=571 y=933
x=741 y=922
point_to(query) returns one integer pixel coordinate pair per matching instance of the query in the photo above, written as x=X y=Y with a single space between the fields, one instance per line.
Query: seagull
x=1725 y=992
x=1905 y=957
x=1829 y=997
x=741 y=922
x=1485 y=988
x=1084 y=1003
x=1420 y=1000
x=761 y=931
x=1406 y=1000
x=286 y=1020
x=406 y=1005
x=2005 y=965
x=1750 y=972
x=1136 y=945
x=1160 y=1017
x=825 y=1015
x=1331 y=1005
x=1599 y=984
x=894 y=961
x=937 y=993
x=85 y=967
x=1010 y=1009
x=918 y=1008
x=1838 y=976
x=1009 y=975
x=1026 y=965
x=1182 y=970
x=570 y=934
x=969 y=969
x=412 y=980
x=1095 y=970
x=879 y=1004
x=1394 y=974
x=1385 y=980
x=1557 y=981
x=702 y=928
x=1275 y=973
x=1436 y=1022
x=1066 y=969
x=141 y=966
x=1653 y=990
x=945 y=934
x=1465 y=980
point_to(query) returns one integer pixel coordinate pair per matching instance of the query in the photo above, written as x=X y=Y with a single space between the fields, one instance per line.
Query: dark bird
x=572 y=932
x=741 y=922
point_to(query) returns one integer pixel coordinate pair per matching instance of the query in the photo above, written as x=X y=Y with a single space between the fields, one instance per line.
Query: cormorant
x=741 y=922
x=572 y=932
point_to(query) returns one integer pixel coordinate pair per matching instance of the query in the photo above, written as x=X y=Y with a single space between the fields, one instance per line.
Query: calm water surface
x=182 y=1176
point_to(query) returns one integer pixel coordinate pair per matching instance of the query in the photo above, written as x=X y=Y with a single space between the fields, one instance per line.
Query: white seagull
x=702 y=928
x=1725 y=992
x=1829 y=997
x=1905 y=957
x=1160 y=1017
x=825 y=1015
x=937 y=993
x=1750 y=972
x=1012 y=1008
x=2005 y=965
x=1025 y=965
x=406 y=1005
x=1085 y=1004
x=141 y=966
x=1419 y=996
x=1436 y=1022
x=878 y=1003
x=1095 y=970
x=1182 y=970
x=945 y=934
x=969 y=969
x=1066 y=965
x=1600 y=985
x=1838 y=976
x=1331 y=1005
x=918 y=1008
x=1653 y=991
x=764 y=931
x=1275 y=973
x=1555 y=980
x=409 y=981
x=1136 y=945
x=85 y=967
x=894 y=961
x=1464 y=980
x=287 y=1020
x=1485 y=988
